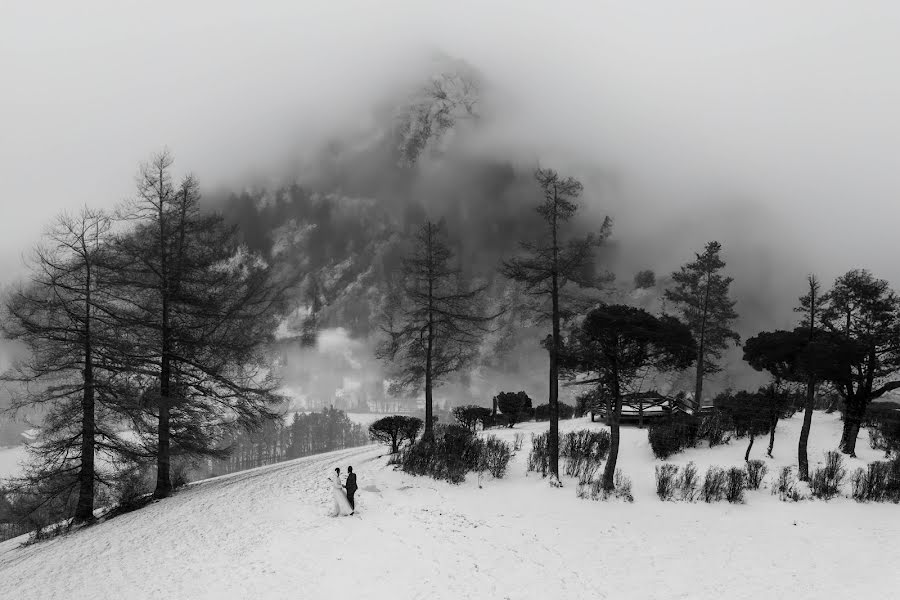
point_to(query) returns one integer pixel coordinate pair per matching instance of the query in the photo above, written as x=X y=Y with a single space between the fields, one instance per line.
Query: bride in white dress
x=341 y=504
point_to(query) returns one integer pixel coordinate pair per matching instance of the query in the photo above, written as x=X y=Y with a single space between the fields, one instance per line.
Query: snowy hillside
x=265 y=533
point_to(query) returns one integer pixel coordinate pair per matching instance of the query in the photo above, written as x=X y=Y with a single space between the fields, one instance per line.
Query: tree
x=780 y=353
x=469 y=415
x=644 y=279
x=811 y=307
x=545 y=270
x=433 y=322
x=701 y=294
x=861 y=352
x=196 y=310
x=394 y=430
x=59 y=316
x=750 y=412
x=515 y=406
x=618 y=345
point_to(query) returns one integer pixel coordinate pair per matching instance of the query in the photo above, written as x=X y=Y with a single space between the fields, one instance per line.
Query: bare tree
x=547 y=267
x=433 y=322
x=60 y=318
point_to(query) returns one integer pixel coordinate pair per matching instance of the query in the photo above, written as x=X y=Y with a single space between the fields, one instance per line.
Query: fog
x=766 y=126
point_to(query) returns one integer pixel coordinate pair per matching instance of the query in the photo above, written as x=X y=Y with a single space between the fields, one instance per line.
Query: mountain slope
x=265 y=533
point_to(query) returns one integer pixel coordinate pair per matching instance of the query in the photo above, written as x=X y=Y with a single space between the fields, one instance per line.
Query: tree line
x=146 y=331
x=847 y=339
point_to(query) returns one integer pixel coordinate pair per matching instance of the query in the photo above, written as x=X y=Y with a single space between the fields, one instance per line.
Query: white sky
x=786 y=112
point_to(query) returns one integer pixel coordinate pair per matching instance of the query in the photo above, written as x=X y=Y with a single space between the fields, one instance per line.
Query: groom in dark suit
x=350 y=486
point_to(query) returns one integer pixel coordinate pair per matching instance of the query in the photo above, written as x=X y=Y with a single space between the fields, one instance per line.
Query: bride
x=341 y=505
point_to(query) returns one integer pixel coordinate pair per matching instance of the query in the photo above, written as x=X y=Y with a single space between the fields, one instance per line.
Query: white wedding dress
x=341 y=504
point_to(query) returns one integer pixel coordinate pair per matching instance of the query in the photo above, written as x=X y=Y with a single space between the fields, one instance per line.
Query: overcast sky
x=775 y=122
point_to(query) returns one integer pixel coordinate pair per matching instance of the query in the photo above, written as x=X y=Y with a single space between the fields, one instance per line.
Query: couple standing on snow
x=343 y=502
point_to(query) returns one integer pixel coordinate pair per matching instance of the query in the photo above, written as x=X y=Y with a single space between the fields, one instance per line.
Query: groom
x=350 y=486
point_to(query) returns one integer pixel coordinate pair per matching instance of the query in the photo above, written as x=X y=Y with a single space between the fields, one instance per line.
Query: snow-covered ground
x=265 y=533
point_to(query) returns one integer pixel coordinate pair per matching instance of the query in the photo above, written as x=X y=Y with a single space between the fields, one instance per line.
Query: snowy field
x=265 y=533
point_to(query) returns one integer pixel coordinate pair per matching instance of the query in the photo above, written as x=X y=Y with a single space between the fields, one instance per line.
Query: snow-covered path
x=265 y=534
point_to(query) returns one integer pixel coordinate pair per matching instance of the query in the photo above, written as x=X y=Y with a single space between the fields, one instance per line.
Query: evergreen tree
x=701 y=295
x=60 y=317
x=618 y=346
x=862 y=317
x=433 y=322
x=196 y=310
x=811 y=307
x=545 y=270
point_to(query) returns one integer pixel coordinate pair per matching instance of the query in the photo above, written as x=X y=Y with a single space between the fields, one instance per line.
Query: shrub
x=735 y=482
x=516 y=406
x=495 y=456
x=470 y=415
x=670 y=436
x=644 y=279
x=826 y=481
x=786 y=486
x=883 y=420
x=587 y=479
x=687 y=482
x=756 y=470
x=394 y=430
x=449 y=455
x=539 y=457
x=715 y=427
x=621 y=488
x=542 y=412
x=666 y=481
x=713 y=485
x=583 y=448
x=518 y=440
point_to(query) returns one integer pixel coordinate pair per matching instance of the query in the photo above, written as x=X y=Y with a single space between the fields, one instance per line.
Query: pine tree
x=59 y=316
x=433 y=321
x=546 y=270
x=811 y=307
x=196 y=310
x=701 y=294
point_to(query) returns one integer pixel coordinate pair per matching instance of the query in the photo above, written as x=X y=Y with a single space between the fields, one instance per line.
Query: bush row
x=453 y=452
x=684 y=484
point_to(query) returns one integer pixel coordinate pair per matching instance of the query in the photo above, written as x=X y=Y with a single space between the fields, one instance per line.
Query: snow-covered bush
x=826 y=481
x=687 y=482
x=670 y=436
x=621 y=488
x=714 y=483
x=735 y=482
x=666 y=481
x=786 y=486
x=583 y=449
x=539 y=457
x=716 y=427
x=495 y=455
x=880 y=481
x=452 y=452
x=518 y=440
x=756 y=471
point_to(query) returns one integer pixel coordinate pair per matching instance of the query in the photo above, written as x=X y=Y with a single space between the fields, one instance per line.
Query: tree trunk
x=749 y=446
x=772 y=427
x=84 y=510
x=802 y=458
x=701 y=352
x=609 y=472
x=853 y=416
x=429 y=426
x=553 y=436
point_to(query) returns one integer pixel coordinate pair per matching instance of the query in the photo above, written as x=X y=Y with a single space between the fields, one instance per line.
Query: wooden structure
x=641 y=407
